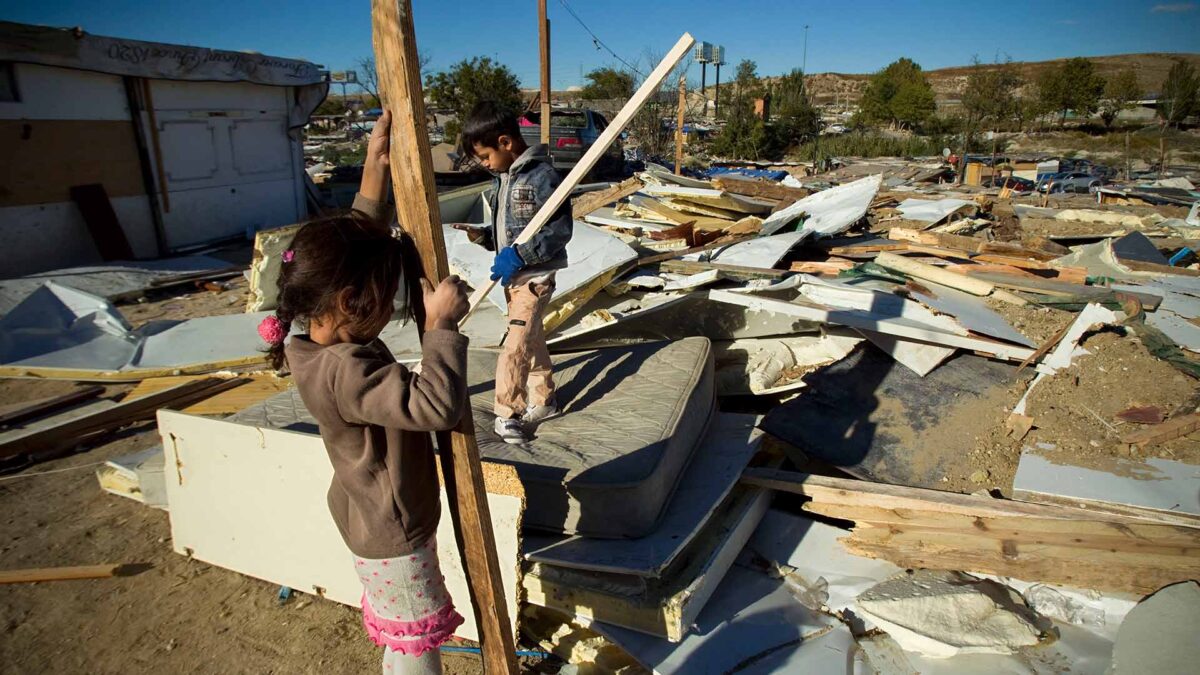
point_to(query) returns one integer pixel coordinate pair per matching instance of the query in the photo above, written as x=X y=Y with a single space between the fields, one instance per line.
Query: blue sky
x=848 y=37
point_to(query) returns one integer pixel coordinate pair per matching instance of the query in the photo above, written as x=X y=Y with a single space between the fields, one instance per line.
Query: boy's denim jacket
x=532 y=179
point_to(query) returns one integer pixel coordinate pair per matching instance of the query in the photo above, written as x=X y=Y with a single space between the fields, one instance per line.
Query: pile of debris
x=962 y=438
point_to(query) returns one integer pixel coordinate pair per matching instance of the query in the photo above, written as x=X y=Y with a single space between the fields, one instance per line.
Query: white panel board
x=1154 y=484
x=253 y=500
x=53 y=236
x=49 y=93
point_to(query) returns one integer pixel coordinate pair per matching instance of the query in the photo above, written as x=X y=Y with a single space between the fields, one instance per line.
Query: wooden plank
x=935 y=274
x=720 y=243
x=1016 y=250
x=257 y=388
x=411 y=167
x=590 y=201
x=1140 y=266
x=1103 y=570
x=130 y=375
x=941 y=239
x=938 y=251
x=101 y=221
x=32 y=576
x=676 y=216
x=826 y=267
x=648 y=89
x=53 y=437
x=1176 y=427
x=22 y=412
x=761 y=189
x=544 y=58
x=738 y=272
x=44 y=158
x=679 y=126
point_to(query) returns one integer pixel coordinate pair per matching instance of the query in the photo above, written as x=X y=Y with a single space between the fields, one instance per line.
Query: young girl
x=340 y=280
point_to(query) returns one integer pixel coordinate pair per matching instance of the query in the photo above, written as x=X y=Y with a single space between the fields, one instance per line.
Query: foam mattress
x=633 y=416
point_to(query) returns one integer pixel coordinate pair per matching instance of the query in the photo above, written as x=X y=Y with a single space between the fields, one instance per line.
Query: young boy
x=525 y=178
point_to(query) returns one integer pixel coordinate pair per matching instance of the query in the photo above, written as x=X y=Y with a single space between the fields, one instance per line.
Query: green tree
x=794 y=118
x=1075 y=86
x=608 y=83
x=990 y=97
x=1120 y=91
x=898 y=95
x=745 y=135
x=1179 y=97
x=469 y=82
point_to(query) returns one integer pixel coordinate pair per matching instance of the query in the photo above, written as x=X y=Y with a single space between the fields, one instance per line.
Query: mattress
x=633 y=417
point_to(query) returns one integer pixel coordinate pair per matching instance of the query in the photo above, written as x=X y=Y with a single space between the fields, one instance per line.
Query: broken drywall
x=944 y=614
x=1160 y=635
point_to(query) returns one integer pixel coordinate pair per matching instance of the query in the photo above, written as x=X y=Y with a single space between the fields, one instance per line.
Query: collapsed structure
x=863 y=419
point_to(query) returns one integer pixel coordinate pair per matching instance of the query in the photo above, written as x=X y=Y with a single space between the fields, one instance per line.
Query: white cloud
x=1174 y=7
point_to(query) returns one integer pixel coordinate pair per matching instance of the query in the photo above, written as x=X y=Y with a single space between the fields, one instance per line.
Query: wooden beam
x=679 y=123
x=21 y=412
x=935 y=274
x=30 y=576
x=648 y=89
x=761 y=189
x=544 y=50
x=956 y=241
x=412 y=177
x=737 y=272
x=48 y=436
x=590 y=201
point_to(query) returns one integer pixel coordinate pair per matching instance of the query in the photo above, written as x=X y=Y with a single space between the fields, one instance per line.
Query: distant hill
x=949 y=83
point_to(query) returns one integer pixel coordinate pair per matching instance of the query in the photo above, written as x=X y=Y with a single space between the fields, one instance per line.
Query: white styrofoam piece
x=606 y=215
x=750 y=615
x=253 y=500
x=590 y=253
x=931 y=210
x=1154 y=483
x=694 y=281
x=1062 y=355
x=829 y=211
x=710 y=476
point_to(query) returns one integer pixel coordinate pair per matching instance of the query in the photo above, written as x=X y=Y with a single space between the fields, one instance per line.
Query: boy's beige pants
x=523 y=373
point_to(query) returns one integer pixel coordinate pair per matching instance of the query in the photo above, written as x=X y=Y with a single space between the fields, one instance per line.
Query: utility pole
x=417 y=211
x=679 y=123
x=544 y=45
x=717 y=101
x=804 y=62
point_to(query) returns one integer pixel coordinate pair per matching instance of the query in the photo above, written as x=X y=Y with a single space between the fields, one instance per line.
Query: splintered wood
x=913 y=527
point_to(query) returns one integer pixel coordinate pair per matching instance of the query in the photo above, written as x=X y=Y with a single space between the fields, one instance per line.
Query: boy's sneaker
x=540 y=413
x=511 y=430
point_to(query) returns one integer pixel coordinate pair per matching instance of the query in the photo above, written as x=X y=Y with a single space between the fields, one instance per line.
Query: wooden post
x=679 y=124
x=417 y=211
x=544 y=45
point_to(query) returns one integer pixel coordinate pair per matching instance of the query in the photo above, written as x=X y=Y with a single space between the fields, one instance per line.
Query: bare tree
x=368 y=75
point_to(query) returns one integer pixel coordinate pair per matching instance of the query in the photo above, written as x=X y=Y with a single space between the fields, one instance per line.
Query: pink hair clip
x=272 y=330
x=289 y=255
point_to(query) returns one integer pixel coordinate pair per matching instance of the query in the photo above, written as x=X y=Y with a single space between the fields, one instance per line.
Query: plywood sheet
x=253 y=500
x=44 y=158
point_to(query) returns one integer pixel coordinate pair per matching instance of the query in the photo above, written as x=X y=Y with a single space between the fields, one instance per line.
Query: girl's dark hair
x=347 y=252
x=485 y=125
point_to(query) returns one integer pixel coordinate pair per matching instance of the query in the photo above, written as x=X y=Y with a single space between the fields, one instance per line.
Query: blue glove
x=508 y=262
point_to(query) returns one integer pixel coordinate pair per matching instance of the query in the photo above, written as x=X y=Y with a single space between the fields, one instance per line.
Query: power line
x=596 y=39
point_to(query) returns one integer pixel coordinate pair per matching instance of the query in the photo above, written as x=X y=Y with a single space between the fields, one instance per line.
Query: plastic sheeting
x=828 y=211
x=932 y=211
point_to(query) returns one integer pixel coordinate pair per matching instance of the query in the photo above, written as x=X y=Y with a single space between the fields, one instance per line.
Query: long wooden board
x=411 y=167
x=622 y=119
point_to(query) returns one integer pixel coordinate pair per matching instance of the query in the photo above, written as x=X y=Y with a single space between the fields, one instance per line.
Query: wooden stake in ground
x=648 y=89
x=417 y=210
x=679 y=124
x=544 y=48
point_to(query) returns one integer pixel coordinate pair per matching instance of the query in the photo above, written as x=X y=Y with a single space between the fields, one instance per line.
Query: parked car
x=1014 y=183
x=572 y=132
x=1071 y=181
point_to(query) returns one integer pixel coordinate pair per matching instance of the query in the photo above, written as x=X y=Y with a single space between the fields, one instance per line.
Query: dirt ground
x=180 y=615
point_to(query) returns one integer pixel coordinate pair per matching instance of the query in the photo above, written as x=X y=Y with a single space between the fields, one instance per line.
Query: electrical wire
x=44 y=473
x=596 y=39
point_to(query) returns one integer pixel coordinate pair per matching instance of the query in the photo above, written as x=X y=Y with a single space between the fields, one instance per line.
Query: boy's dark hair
x=485 y=125
x=346 y=252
